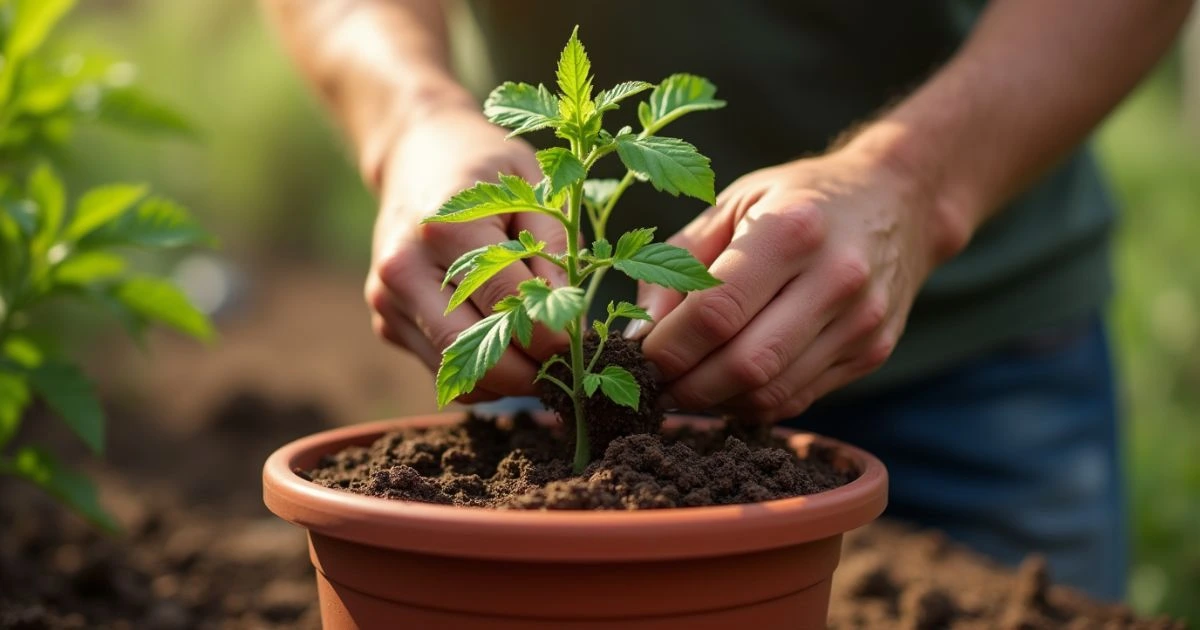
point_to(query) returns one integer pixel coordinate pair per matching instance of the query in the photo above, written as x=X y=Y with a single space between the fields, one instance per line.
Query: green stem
x=561 y=385
x=583 y=451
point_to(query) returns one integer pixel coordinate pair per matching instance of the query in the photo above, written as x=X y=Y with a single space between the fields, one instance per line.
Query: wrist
x=951 y=216
x=404 y=107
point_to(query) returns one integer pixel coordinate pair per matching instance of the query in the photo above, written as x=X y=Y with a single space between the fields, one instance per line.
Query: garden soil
x=199 y=550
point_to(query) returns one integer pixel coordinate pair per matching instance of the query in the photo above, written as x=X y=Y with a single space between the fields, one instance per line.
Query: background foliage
x=268 y=176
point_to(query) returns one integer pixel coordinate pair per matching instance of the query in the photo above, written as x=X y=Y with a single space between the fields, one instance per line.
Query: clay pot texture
x=384 y=564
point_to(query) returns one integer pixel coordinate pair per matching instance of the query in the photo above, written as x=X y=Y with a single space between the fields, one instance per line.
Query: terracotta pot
x=395 y=564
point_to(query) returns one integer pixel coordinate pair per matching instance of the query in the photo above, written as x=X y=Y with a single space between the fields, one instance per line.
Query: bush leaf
x=101 y=205
x=67 y=391
x=42 y=469
x=475 y=351
x=617 y=384
x=608 y=99
x=668 y=266
x=513 y=194
x=521 y=107
x=555 y=307
x=671 y=165
x=484 y=265
x=156 y=222
x=561 y=167
x=677 y=95
x=14 y=397
x=84 y=268
x=158 y=300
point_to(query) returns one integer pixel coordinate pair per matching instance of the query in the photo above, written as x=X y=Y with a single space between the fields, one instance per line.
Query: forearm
x=1031 y=82
x=377 y=65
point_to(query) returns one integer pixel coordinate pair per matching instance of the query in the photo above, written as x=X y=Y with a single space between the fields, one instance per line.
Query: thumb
x=705 y=237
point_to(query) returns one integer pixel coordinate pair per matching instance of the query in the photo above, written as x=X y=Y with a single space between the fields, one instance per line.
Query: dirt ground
x=190 y=428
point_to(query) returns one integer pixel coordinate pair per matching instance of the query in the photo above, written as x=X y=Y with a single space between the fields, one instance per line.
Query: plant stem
x=583 y=451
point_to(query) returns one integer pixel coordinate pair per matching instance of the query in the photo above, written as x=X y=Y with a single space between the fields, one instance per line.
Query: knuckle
x=850 y=273
x=798 y=404
x=772 y=397
x=395 y=271
x=765 y=362
x=721 y=314
x=871 y=317
x=492 y=292
x=879 y=352
x=442 y=336
x=802 y=226
x=667 y=359
x=437 y=232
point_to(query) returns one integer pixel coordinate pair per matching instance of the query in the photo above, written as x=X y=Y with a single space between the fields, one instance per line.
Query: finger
x=859 y=338
x=413 y=288
x=768 y=249
x=767 y=349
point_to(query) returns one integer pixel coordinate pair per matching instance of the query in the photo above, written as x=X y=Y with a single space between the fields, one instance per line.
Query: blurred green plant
x=51 y=250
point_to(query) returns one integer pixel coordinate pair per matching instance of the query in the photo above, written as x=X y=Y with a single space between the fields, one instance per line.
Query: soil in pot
x=522 y=465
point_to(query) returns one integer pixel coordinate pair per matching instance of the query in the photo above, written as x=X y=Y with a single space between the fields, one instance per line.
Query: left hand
x=821 y=259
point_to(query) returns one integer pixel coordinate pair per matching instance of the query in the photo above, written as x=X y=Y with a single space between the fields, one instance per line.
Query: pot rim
x=564 y=535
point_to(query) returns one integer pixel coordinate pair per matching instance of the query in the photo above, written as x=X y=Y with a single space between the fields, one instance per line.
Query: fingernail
x=637 y=329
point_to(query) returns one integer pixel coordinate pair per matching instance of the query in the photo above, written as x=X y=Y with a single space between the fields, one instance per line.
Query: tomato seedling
x=565 y=193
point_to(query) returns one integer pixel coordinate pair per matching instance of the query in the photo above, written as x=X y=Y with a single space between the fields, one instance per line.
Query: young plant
x=567 y=195
x=51 y=251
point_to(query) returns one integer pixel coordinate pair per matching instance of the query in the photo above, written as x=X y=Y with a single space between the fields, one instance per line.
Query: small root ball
x=606 y=419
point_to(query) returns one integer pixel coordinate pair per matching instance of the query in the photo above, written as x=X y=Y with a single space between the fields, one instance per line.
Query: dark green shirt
x=796 y=74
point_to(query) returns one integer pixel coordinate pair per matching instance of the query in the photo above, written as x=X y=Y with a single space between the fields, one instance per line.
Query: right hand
x=440 y=154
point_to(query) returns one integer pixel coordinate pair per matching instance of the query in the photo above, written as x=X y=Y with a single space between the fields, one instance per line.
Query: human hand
x=442 y=153
x=821 y=259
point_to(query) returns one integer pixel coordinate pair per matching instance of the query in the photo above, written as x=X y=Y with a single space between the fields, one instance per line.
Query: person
x=913 y=233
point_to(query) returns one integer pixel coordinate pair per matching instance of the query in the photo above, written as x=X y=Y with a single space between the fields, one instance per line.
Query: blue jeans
x=1012 y=452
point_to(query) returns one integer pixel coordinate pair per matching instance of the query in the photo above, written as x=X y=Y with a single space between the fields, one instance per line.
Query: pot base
x=728 y=592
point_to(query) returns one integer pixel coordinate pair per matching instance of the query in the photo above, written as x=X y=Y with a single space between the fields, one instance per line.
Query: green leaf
x=67 y=391
x=575 y=81
x=83 y=268
x=668 y=266
x=158 y=300
x=601 y=248
x=632 y=241
x=24 y=213
x=22 y=351
x=34 y=21
x=14 y=397
x=101 y=205
x=617 y=384
x=511 y=195
x=464 y=262
x=526 y=238
x=46 y=190
x=598 y=191
x=555 y=307
x=475 y=351
x=42 y=469
x=630 y=311
x=491 y=261
x=561 y=167
x=521 y=323
x=155 y=222
x=131 y=109
x=521 y=107
x=608 y=99
x=600 y=327
x=670 y=164
x=677 y=95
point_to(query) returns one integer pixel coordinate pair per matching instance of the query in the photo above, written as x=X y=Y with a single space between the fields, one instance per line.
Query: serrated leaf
x=34 y=19
x=668 y=266
x=601 y=248
x=555 y=307
x=591 y=382
x=632 y=241
x=526 y=238
x=609 y=99
x=521 y=107
x=491 y=261
x=475 y=351
x=677 y=95
x=597 y=191
x=522 y=324
x=601 y=328
x=160 y=301
x=134 y=110
x=670 y=164
x=574 y=79
x=618 y=385
x=101 y=205
x=87 y=267
x=511 y=195
x=463 y=263
x=42 y=469
x=156 y=222
x=561 y=167
x=14 y=397
x=627 y=310
x=68 y=392
x=46 y=190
